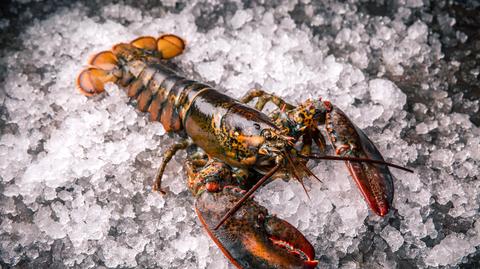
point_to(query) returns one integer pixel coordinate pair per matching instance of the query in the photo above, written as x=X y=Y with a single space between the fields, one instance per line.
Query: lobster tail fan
x=92 y=80
x=145 y=42
x=170 y=46
x=104 y=60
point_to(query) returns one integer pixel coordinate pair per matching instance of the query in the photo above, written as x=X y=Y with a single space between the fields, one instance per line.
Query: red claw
x=374 y=180
x=252 y=238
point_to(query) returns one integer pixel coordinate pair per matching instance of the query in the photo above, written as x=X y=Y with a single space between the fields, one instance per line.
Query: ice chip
x=450 y=251
x=393 y=237
x=240 y=18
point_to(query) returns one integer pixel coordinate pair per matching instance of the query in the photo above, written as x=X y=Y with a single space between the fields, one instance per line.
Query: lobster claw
x=252 y=238
x=374 y=180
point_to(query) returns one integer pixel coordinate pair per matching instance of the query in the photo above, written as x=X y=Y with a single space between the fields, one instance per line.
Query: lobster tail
x=92 y=80
x=168 y=46
x=105 y=60
x=145 y=42
x=106 y=66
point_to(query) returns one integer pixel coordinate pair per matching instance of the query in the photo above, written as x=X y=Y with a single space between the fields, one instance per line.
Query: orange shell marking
x=170 y=46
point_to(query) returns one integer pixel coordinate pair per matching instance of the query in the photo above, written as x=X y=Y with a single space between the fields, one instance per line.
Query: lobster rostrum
x=244 y=147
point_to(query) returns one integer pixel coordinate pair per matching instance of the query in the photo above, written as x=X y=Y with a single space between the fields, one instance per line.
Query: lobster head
x=306 y=116
x=279 y=143
x=252 y=238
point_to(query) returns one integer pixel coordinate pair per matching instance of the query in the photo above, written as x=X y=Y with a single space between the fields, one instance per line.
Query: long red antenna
x=355 y=159
x=305 y=168
x=248 y=194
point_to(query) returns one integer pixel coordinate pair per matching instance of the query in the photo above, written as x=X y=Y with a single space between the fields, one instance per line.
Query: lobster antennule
x=310 y=173
x=295 y=174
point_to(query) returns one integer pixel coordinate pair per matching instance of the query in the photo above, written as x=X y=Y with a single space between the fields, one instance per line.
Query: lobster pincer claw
x=374 y=180
x=252 y=238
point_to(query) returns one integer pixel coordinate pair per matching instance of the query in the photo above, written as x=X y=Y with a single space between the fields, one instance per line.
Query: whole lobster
x=244 y=149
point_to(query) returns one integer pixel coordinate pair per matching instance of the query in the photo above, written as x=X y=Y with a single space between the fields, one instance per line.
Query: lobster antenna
x=305 y=168
x=295 y=174
x=304 y=188
x=248 y=194
x=354 y=159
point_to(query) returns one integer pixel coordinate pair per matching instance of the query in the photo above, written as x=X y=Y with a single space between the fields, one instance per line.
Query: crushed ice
x=76 y=171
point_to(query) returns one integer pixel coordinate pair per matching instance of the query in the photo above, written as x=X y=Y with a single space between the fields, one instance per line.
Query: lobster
x=244 y=148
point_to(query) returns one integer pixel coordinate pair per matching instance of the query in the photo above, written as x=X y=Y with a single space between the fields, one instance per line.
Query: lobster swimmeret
x=244 y=149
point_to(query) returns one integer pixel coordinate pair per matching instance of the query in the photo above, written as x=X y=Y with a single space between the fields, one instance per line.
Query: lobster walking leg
x=167 y=156
x=319 y=139
x=264 y=98
x=306 y=144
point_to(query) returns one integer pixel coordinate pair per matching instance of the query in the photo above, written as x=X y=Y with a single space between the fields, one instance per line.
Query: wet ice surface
x=76 y=171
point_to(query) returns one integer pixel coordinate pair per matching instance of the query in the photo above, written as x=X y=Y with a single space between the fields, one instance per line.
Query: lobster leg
x=264 y=98
x=192 y=165
x=167 y=156
x=319 y=139
x=306 y=144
